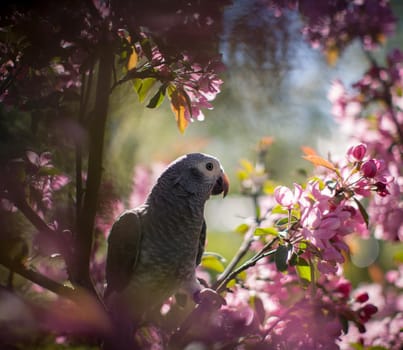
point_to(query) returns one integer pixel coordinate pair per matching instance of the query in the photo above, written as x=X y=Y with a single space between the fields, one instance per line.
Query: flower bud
x=344 y=288
x=367 y=311
x=369 y=168
x=362 y=298
x=358 y=152
x=381 y=189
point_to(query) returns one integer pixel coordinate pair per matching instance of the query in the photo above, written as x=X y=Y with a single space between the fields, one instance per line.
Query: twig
x=53 y=236
x=38 y=278
x=244 y=248
x=264 y=252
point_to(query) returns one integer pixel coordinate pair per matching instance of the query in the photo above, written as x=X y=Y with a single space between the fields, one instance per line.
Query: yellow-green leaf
x=242 y=228
x=303 y=270
x=213 y=262
x=158 y=98
x=145 y=88
x=271 y=231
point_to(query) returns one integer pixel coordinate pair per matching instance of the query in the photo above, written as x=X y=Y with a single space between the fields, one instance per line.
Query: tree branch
x=38 y=278
x=53 y=236
x=264 y=252
x=84 y=238
x=244 y=248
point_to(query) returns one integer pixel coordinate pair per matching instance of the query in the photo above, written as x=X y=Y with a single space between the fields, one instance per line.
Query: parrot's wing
x=123 y=251
x=202 y=243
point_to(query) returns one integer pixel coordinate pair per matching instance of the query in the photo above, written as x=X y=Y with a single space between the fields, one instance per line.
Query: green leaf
x=293 y=260
x=213 y=261
x=266 y=231
x=137 y=84
x=239 y=277
x=231 y=283
x=303 y=270
x=281 y=222
x=49 y=171
x=145 y=88
x=242 y=228
x=281 y=257
x=302 y=247
x=157 y=99
x=215 y=255
x=362 y=211
x=278 y=209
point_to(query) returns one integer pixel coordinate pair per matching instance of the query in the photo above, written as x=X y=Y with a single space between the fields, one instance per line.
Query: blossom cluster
x=331 y=25
x=296 y=278
x=36 y=71
x=190 y=85
x=328 y=209
x=374 y=109
x=384 y=329
x=33 y=177
x=271 y=310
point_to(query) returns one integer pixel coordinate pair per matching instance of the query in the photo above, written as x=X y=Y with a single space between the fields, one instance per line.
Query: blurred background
x=275 y=85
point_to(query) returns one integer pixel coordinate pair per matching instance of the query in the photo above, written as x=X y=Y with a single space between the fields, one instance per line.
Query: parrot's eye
x=209 y=166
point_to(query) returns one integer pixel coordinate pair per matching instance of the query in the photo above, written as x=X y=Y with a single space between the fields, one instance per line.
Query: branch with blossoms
x=296 y=243
x=330 y=26
x=374 y=106
x=314 y=220
x=189 y=85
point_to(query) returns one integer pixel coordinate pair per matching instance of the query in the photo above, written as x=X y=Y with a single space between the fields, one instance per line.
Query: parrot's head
x=198 y=174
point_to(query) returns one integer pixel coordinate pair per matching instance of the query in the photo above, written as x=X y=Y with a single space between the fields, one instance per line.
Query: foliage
x=59 y=65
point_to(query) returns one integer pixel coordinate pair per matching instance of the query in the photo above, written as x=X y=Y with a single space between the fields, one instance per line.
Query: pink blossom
x=357 y=152
x=285 y=197
x=369 y=168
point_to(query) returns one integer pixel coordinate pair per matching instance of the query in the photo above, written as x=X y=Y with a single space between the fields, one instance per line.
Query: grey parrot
x=154 y=249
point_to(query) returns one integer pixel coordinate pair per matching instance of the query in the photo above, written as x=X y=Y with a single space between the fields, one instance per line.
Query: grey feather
x=202 y=243
x=123 y=251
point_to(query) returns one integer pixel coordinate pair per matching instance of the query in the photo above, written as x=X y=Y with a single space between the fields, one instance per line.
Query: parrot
x=154 y=249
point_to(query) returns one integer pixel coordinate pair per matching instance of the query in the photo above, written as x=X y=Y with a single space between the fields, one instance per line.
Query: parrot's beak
x=221 y=185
